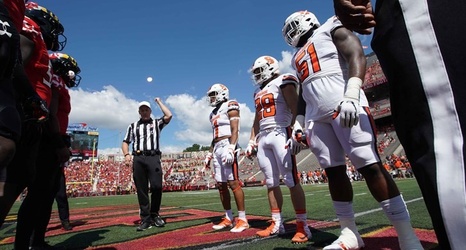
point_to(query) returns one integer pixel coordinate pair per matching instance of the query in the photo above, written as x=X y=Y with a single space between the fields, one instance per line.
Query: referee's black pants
x=420 y=46
x=147 y=170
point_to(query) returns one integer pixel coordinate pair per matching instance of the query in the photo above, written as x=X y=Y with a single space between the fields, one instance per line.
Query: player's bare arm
x=349 y=46
x=251 y=148
x=234 y=125
x=291 y=97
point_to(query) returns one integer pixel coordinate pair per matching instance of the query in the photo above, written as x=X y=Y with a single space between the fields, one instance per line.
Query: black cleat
x=144 y=226
x=158 y=221
x=66 y=225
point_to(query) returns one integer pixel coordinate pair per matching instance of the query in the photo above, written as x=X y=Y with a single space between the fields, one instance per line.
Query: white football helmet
x=220 y=92
x=298 y=24
x=263 y=69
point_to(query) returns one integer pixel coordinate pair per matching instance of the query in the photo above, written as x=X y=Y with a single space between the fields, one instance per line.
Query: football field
x=109 y=222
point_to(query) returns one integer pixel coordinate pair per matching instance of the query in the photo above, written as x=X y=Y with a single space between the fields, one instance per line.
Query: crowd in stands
x=316 y=176
x=374 y=76
x=385 y=138
x=380 y=108
x=186 y=171
x=398 y=166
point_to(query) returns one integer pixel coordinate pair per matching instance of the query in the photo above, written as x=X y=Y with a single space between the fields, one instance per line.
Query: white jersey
x=271 y=105
x=323 y=73
x=220 y=120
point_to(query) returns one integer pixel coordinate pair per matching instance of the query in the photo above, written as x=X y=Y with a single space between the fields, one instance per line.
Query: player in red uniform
x=40 y=33
x=67 y=69
x=65 y=75
x=11 y=19
x=9 y=118
x=29 y=105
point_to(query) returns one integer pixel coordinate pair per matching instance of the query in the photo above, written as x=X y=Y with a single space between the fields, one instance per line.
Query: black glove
x=35 y=109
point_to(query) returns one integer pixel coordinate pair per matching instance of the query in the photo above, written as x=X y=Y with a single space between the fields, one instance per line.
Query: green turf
x=318 y=203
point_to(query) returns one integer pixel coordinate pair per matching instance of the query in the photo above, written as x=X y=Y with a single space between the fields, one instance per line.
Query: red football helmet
x=67 y=68
x=51 y=28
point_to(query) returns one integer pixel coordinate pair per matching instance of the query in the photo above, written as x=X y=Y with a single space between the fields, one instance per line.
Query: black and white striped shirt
x=144 y=134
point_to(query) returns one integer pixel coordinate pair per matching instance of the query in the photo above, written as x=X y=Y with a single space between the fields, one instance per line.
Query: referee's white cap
x=144 y=103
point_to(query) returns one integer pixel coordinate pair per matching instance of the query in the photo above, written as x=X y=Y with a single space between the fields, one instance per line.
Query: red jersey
x=16 y=9
x=39 y=68
x=64 y=103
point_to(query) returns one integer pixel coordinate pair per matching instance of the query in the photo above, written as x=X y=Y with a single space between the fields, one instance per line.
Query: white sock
x=277 y=216
x=242 y=215
x=396 y=211
x=345 y=214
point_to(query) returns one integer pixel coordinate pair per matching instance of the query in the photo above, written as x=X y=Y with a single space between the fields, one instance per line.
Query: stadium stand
x=186 y=171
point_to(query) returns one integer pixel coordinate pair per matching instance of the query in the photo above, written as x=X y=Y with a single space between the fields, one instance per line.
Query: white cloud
x=285 y=63
x=107 y=108
x=192 y=116
x=109 y=151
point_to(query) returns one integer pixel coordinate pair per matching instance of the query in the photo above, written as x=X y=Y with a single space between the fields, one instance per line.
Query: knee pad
x=289 y=182
x=363 y=156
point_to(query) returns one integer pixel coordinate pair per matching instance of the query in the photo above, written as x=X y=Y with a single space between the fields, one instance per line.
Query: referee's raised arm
x=167 y=114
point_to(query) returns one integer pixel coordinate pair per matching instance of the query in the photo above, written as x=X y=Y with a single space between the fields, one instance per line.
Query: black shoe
x=66 y=225
x=158 y=221
x=144 y=226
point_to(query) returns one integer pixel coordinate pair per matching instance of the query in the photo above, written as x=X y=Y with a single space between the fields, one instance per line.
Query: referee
x=147 y=168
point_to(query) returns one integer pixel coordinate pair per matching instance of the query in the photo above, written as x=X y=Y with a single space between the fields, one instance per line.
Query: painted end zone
x=192 y=229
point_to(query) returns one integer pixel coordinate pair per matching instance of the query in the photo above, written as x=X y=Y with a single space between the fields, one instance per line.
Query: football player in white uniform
x=276 y=106
x=225 y=119
x=330 y=64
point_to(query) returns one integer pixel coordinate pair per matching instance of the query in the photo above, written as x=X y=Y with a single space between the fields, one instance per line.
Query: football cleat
x=348 y=240
x=275 y=228
x=223 y=224
x=144 y=226
x=303 y=234
x=240 y=226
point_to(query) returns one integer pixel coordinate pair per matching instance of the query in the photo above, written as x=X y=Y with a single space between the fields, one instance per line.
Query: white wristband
x=353 y=88
x=299 y=121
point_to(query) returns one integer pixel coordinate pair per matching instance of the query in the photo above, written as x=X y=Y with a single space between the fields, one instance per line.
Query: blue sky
x=184 y=45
